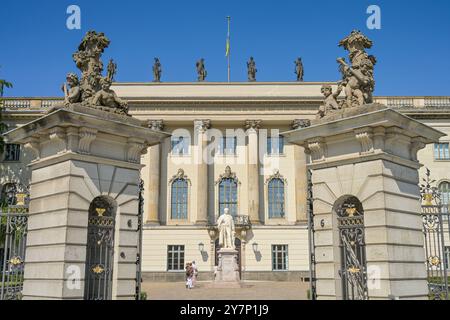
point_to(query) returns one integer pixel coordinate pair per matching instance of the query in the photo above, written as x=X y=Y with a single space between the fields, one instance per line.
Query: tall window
x=175 y=258
x=12 y=152
x=180 y=145
x=179 y=204
x=444 y=189
x=279 y=257
x=228 y=195
x=276 y=198
x=227 y=145
x=446 y=256
x=441 y=151
x=275 y=145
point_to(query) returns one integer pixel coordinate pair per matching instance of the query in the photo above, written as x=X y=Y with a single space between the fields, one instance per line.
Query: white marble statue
x=225 y=224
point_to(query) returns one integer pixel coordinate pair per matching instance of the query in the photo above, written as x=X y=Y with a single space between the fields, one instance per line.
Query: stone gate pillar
x=365 y=180
x=82 y=154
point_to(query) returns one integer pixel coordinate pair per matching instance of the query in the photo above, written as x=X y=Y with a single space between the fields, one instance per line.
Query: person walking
x=189 y=275
x=194 y=274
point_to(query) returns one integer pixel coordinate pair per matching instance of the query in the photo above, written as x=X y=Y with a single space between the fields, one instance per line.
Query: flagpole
x=229 y=50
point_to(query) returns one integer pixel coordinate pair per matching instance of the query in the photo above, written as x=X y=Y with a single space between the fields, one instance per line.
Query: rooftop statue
x=93 y=90
x=112 y=69
x=201 y=71
x=357 y=77
x=157 y=70
x=299 y=71
x=251 y=69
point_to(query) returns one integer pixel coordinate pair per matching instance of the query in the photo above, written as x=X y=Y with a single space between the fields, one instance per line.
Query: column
x=301 y=177
x=152 y=187
x=79 y=182
x=252 y=127
x=365 y=181
x=201 y=170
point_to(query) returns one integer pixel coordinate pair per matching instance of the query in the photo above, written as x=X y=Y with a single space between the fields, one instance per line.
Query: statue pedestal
x=368 y=229
x=227 y=274
x=85 y=182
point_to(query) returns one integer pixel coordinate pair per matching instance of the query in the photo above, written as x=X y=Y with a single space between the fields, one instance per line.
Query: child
x=189 y=275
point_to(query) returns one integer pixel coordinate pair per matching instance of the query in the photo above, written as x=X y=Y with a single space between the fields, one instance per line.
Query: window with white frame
x=227 y=145
x=279 y=257
x=446 y=256
x=276 y=198
x=175 y=258
x=180 y=145
x=441 y=151
x=179 y=199
x=444 y=189
x=275 y=145
x=12 y=152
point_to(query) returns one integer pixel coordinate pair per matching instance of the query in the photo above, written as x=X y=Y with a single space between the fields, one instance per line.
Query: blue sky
x=412 y=47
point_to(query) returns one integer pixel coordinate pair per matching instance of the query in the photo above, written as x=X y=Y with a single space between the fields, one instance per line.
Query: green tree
x=3 y=84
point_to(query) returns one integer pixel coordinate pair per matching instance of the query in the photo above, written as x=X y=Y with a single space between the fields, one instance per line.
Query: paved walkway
x=251 y=290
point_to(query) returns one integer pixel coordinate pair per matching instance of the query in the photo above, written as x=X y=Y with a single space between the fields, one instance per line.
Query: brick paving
x=251 y=290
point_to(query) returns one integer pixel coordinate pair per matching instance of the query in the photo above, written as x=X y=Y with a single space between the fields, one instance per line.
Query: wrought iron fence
x=13 y=234
x=435 y=218
x=139 y=253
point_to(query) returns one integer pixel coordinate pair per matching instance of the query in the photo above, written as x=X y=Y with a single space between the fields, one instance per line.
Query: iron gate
x=100 y=249
x=13 y=238
x=435 y=218
x=140 y=230
x=353 y=250
x=312 y=257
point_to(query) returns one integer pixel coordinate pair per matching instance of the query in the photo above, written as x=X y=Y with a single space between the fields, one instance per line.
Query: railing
x=240 y=221
x=400 y=102
x=42 y=104
x=437 y=102
x=414 y=102
x=17 y=104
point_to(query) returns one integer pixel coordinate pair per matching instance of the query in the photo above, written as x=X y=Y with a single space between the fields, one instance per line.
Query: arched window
x=276 y=198
x=444 y=189
x=179 y=204
x=228 y=195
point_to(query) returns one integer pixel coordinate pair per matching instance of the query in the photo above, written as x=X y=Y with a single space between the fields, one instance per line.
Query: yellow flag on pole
x=227 y=49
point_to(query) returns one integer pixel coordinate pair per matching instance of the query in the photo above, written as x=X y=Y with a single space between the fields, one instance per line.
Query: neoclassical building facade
x=226 y=151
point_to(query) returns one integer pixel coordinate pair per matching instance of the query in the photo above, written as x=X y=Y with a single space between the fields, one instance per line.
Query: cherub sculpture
x=330 y=102
x=109 y=99
x=71 y=89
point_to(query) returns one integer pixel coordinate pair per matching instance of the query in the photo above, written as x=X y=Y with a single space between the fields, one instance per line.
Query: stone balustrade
x=42 y=104
x=34 y=104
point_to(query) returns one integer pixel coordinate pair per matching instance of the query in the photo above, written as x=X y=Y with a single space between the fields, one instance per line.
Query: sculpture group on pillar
x=357 y=77
x=93 y=90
